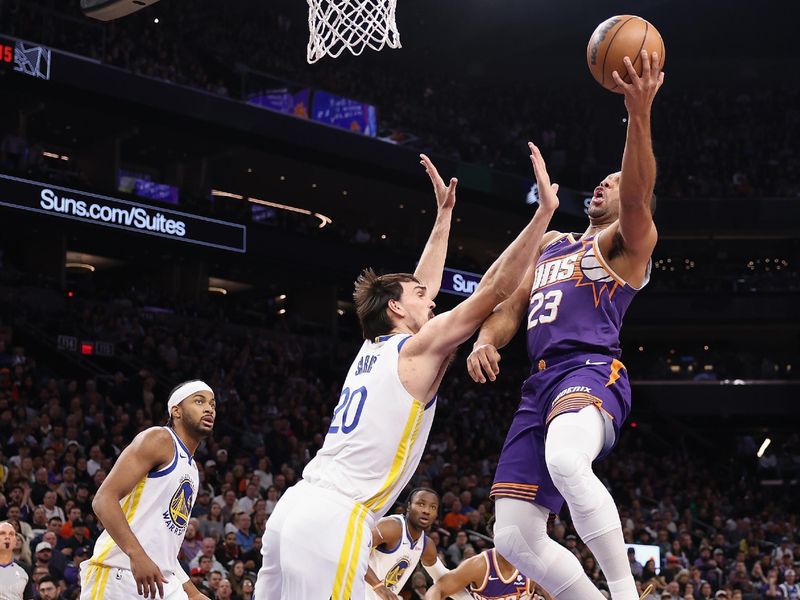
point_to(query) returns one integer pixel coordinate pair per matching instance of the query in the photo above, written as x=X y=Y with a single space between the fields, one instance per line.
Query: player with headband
x=145 y=504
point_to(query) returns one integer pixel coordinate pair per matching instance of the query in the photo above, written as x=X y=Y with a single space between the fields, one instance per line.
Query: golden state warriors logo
x=180 y=507
x=395 y=574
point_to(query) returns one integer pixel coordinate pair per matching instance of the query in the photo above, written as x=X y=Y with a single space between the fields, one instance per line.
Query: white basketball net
x=336 y=25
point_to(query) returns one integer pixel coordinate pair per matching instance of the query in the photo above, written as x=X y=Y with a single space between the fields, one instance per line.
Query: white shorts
x=112 y=583
x=316 y=547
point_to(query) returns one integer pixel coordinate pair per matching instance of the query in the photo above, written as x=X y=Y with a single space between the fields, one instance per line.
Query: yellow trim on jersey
x=100 y=583
x=346 y=556
x=129 y=506
x=407 y=439
x=137 y=496
x=351 y=571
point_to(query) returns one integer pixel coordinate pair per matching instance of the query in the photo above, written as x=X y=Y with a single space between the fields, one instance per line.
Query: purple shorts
x=569 y=385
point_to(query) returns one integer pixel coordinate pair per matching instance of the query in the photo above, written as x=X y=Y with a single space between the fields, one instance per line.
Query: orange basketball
x=616 y=38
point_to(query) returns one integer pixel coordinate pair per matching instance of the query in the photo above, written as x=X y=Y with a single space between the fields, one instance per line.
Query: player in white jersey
x=145 y=503
x=399 y=543
x=316 y=543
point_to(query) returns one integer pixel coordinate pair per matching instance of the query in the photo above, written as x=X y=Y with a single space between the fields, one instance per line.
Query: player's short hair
x=419 y=490
x=371 y=296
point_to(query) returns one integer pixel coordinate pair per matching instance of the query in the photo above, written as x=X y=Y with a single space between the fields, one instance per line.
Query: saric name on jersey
x=559 y=269
x=365 y=364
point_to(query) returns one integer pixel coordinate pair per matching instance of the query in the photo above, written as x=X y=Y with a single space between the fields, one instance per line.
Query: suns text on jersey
x=552 y=271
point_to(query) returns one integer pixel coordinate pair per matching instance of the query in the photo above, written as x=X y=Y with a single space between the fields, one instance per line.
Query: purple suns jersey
x=496 y=587
x=576 y=302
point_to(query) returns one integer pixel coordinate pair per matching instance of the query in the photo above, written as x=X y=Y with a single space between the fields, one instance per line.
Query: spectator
x=789 y=588
x=455 y=552
x=252 y=559
x=636 y=566
x=272 y=498
x=72 y=570
x=230 y=505
x=95 y=461
x=248 y=589
x=38 y=522
x=209 y=546
x=214 y=579
x=419 y=586
x=198 y=578
x=212 y=525
x=228 y=550
x=264 y=474
x=22 y=552
x=247 y=503
x=244 y=534
x=192 y=545
x=57 y=560
x=13 y=516
x=202 y=504
x=237 y=577
x=224 y=590
x=672 y=591
x=40 y=486
x=455 y=519
x=43 y=558
x=51 y=509
x=47 y=588
x=68 y=488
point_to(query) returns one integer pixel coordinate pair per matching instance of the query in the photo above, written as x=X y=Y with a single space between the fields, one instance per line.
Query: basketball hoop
x=338 y=25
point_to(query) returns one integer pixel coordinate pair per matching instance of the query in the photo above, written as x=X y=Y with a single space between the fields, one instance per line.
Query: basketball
x=616 y=38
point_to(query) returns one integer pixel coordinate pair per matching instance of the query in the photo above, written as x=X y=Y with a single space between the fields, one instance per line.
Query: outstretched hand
x=639 y=93
x=445 y=194
x=548 y=198
x=483 y=363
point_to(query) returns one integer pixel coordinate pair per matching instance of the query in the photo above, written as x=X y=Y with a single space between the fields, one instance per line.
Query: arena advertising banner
x=104 y=211
x=459 y=283
x=284 y=101
x=345 y=113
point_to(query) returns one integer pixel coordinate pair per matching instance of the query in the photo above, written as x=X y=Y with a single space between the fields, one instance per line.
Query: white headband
x=187 y=389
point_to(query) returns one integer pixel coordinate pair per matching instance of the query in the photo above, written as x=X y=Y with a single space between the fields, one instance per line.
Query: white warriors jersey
x=157 y=510
x=378 y=432
x=394 y=566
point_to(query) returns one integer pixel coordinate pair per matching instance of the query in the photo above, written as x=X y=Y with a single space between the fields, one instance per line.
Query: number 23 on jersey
x=544 y=307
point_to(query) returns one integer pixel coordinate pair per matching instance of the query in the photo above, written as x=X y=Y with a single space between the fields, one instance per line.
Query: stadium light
x=763 y=448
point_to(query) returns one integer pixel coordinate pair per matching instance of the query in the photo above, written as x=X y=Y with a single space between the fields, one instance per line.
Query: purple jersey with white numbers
x=497 y=587
x=576 y=303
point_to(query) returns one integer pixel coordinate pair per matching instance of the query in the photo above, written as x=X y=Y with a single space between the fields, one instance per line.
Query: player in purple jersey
x=577 y=396
x=488 y=576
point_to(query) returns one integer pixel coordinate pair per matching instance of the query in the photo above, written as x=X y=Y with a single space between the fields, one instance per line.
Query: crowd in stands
x=721 y=142
x=718 y=530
